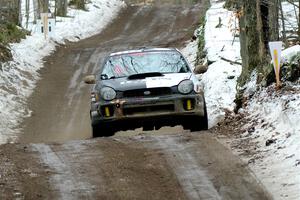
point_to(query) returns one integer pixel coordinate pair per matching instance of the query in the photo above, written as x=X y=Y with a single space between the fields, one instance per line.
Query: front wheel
x=101 y=131
x=199 y=123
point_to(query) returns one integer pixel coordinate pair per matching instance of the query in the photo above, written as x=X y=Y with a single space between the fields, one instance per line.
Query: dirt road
x=146 y=166
x=168 y=164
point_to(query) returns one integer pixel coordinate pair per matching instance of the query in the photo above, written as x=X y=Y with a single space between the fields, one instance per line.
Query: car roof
x=143 y=49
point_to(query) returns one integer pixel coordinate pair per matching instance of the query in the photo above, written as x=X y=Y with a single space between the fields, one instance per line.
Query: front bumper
x=147 y=109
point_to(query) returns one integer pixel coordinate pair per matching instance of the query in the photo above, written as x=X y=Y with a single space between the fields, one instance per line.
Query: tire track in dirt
x=107 y=169
x=191 y=176
x=205 y=168
x=69 y=177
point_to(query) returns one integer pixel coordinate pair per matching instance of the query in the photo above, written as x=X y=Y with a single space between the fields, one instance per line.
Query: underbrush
x=9 y=33
x=201 y=54
x=78 y=4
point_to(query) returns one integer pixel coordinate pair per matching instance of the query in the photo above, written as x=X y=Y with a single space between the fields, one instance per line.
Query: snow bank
x=18 y=78
x=221 y=38
x=220 y=89
x=277 y=119
x=221 y=78
x=289 y=53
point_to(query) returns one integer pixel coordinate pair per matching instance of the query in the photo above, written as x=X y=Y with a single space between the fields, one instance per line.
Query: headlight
x=186 y=87
x=108 y=93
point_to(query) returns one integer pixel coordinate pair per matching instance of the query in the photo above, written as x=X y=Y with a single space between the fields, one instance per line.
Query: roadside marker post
x=44 y=18
x=46 y=25
x=275 y=50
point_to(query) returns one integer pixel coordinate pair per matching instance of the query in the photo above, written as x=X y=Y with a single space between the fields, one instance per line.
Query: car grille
x=149 y=92
x=148 y=109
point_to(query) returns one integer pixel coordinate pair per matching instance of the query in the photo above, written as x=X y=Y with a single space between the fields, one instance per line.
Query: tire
x=204 y=120
x=200 y=123
x=101 y=131
x=148 y=128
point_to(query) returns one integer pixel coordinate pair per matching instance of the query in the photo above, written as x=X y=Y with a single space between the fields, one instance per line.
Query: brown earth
x=166 y=164
x=144 y=166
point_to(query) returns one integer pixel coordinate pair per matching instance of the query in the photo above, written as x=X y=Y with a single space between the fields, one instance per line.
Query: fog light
x=107 y=111
x=189 y=105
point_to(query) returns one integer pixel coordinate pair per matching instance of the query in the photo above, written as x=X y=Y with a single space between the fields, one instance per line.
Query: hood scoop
x=144 y=75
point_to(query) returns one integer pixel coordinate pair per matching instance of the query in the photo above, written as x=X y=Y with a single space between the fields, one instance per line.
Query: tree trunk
x=43 y=6
x=299 y=22
x=36 y=10
x=252 y=42
x=273 y=20
x=283 y=24
x=61 y=7
x=27 y=6
x=258 y=25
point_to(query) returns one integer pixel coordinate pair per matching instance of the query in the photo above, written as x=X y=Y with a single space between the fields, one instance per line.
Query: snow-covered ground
x=275 y=122
x=274 y=116
x=18 y=77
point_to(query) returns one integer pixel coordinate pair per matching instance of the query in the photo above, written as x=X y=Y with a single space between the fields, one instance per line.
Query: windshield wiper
x=115 y=77
x=105 y=77
x=144 y=75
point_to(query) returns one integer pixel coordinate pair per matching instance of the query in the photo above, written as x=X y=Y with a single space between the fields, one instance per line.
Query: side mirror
x=90 y=79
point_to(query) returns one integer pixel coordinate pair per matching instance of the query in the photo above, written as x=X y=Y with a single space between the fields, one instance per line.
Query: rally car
x=149 y=88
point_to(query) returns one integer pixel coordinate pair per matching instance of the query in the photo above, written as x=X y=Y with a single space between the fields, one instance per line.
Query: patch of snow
x=279 y=115
x=250 y=87
x=290 y=52
x=18 y=77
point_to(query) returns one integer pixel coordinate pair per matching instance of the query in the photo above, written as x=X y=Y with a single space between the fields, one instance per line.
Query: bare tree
x=61 y=7
x=9 y=11
x=258 y=24
x=299 y=21
x=36 y=10
x=283 y=24
x=43 y=5
x=27 y=6
x=273 y=20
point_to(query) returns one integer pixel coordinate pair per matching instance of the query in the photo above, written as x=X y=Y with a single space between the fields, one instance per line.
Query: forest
x=259 y=21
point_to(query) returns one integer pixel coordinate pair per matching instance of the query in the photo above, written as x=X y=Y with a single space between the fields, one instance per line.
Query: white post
x=44 y=18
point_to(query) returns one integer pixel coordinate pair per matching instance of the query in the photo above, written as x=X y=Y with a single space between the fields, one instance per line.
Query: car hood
x=168 y=80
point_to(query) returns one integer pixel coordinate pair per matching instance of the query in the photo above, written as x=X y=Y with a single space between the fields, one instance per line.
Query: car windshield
x=144 y=62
